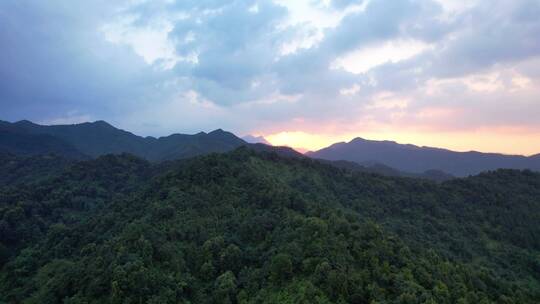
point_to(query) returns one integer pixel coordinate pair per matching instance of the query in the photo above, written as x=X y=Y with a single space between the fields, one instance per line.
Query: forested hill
x=93 y=139
x=248 y=227
x=13 y=141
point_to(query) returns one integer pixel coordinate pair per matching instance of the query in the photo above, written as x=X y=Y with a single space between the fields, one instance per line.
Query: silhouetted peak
x=358 y=140
x=415 y=159
x=218 y=131
x=102 y=123
x=25 y=122
x=222 y=133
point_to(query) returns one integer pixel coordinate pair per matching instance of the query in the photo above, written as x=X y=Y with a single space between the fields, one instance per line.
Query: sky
x=458 y=74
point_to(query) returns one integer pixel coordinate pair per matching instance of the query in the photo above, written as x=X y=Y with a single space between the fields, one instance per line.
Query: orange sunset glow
x=483 y=140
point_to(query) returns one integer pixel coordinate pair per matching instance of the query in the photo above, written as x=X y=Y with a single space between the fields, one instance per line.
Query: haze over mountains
x=93 y=139
x=256 y=139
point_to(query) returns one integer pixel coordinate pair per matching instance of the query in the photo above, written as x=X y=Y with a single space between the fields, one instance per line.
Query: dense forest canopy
x=255 y=227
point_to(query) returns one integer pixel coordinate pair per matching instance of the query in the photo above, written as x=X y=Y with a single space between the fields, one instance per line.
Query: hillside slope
x=247 y=227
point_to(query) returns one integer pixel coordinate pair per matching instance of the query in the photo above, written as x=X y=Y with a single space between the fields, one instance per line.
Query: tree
x=281 y=268
x=225 y=288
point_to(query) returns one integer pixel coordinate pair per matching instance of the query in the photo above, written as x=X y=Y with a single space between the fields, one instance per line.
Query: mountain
x=256 y=140
x=100 y=138
x=93 y=139
x=184 y=146
x=366 y=167
x=20 y=142
x=411 y=158
x=86 y=140
x=254 y=227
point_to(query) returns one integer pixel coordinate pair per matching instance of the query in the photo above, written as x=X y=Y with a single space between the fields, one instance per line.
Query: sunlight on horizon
x=481 y=141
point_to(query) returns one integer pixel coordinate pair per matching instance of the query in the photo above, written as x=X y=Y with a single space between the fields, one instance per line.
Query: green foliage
x=247 y=227
x=281 y=268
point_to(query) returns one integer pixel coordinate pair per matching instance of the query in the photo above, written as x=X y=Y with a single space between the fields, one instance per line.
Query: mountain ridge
x=418 y=159
x=387 y=157
x=99 y=138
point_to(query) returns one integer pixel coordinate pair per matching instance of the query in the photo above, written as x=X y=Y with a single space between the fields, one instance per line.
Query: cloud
x=151 y=43
x=55 y=61
x=273 y=66
x=392 y=51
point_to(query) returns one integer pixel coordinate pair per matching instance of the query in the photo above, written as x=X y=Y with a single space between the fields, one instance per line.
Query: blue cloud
x=54 y=61
x=56 y=58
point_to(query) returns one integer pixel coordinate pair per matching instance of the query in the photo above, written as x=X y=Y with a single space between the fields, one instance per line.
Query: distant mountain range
x=411 y=158
x=93 y=139
x=99 y=138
